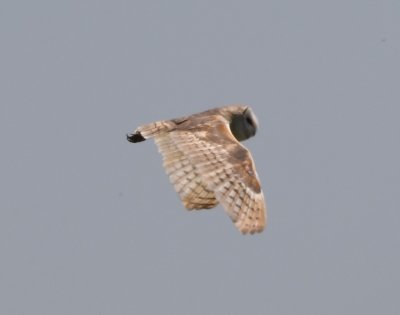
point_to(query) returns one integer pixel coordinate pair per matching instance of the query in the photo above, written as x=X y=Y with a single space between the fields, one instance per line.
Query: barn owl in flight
x=207 y=164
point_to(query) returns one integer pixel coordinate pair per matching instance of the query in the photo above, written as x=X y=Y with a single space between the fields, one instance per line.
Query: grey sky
x=89 y=223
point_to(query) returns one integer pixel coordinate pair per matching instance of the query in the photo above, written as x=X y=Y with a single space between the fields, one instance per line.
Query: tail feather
x=151 y=130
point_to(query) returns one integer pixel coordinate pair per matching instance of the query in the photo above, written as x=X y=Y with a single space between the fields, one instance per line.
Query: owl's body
x=207 y=164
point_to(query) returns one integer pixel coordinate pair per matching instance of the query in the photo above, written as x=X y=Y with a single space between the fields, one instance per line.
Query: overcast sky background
x=89 y=223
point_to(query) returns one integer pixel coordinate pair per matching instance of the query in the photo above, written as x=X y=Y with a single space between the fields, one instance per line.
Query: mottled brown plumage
x=208 y=165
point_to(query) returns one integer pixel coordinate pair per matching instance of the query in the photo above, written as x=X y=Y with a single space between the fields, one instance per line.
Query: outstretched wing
x=184 y=175
x=208 y=165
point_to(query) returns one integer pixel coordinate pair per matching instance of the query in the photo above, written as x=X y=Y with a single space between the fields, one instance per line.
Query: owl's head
x=244 y=124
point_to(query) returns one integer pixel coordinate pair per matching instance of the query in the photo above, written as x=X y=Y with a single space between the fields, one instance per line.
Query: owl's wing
x=207 y=159
x=184 y=175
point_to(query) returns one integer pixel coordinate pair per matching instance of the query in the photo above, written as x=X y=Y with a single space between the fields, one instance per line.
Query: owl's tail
x=151 y=130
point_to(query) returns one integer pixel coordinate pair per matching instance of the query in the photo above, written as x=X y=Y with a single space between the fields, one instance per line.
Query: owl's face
x=244 y=125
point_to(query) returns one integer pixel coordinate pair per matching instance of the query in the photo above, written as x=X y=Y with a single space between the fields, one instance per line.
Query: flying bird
x=207 y=164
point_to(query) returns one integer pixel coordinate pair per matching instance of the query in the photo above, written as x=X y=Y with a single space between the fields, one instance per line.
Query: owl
x=207 y=164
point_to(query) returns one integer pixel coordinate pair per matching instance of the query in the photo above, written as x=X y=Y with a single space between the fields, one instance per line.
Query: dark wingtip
x=135 y=137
